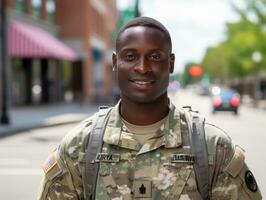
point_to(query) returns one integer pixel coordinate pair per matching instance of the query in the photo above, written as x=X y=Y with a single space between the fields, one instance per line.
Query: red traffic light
x=195 y=70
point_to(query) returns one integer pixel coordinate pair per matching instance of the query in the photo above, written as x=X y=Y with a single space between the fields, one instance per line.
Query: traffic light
x=195 y=70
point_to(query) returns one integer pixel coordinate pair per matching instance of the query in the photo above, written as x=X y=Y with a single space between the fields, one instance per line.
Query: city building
x=60 y=50
x=36 y=54
x=88 y=27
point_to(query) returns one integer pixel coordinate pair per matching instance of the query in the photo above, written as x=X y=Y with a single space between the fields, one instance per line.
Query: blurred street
x=22 y=155
x=29 y=117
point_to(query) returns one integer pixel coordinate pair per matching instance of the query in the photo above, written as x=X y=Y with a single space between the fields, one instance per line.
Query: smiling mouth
x=142 y=83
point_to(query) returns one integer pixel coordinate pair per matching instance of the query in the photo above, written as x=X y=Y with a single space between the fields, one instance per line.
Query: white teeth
x=142 y=82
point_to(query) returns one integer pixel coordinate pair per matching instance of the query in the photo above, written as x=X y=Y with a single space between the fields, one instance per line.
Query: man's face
x=143 y=62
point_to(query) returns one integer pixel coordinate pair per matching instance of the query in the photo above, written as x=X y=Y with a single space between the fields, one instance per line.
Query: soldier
x=147 y=150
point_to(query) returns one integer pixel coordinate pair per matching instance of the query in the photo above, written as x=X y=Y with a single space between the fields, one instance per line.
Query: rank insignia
x=250 y=181
x=142 y=189
x=183 y=158
x=105 y=157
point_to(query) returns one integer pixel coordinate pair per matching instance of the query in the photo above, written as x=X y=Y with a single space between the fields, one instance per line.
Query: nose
x=143 y=66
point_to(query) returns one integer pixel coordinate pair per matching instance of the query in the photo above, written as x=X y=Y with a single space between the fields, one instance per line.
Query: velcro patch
x=50 y=162
x=183 y=158
x=142 y=189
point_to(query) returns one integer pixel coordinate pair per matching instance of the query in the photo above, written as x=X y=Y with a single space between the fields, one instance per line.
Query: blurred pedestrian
x=150 y=149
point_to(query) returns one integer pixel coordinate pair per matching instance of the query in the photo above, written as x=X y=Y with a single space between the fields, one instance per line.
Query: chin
x=145 y=99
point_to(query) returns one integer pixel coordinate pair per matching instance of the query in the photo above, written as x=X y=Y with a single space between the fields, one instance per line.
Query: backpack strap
x=199 y=149
x=94 y=147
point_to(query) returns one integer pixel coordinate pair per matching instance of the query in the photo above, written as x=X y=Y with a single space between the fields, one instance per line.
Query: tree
x=215 y=62
x=253 y=18
x=242 y=41
x=233 y=57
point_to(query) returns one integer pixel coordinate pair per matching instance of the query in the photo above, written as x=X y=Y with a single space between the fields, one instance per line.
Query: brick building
x=37 y=55
x=87 y=26
x=60 y=50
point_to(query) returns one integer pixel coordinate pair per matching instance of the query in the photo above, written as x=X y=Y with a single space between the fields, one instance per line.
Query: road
x=22 y=155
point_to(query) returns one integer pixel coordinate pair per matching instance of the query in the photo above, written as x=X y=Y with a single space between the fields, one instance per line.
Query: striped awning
x=26 y=41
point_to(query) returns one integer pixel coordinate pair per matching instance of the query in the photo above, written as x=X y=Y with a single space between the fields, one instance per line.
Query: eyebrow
x=135 y=50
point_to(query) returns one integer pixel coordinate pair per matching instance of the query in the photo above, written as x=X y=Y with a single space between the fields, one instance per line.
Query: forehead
x=142 y=36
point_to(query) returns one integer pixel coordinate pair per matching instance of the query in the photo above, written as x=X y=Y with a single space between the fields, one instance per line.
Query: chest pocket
x=176 y=177
x=171 y=180
x=114 y=181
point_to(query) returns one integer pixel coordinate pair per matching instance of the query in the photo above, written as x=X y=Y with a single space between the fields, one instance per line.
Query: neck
x=144 y=113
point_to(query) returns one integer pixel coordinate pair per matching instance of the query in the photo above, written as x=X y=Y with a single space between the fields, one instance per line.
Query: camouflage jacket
x=147 y=171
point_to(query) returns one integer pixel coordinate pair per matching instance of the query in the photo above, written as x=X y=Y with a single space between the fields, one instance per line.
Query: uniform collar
x=168 y=135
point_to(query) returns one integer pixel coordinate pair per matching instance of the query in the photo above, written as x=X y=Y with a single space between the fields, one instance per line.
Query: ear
x=114 y=60
x=172 y=62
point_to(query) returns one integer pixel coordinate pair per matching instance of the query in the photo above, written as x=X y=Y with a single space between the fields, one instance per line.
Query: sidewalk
x=25 y=118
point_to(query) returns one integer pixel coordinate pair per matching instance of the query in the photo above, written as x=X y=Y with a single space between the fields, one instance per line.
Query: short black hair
x=148 y=22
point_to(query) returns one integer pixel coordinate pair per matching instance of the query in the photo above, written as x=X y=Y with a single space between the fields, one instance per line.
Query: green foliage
x=214 y=63
x=233 y=57
x=242 y=42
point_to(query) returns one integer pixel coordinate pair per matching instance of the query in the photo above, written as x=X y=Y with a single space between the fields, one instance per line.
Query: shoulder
x=76 y=140
x=215 y=135
x=72 y=144
x=230 y=174
x=64 y=168
x=79 y=134
x=219 y=144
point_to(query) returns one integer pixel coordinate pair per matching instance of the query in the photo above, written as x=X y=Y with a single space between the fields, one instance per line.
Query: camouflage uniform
x=147 y=171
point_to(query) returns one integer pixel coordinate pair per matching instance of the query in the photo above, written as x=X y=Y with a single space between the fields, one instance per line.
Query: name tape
x=105 y=157
x=183 y=158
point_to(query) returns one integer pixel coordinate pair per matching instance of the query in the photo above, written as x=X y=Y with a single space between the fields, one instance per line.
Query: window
x=36 y=4
x=20 y=6
x=50 y=8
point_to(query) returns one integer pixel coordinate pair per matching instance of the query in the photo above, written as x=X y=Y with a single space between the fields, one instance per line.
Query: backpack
x=198 y=148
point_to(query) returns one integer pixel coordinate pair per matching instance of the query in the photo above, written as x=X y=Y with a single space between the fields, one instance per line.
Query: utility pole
x=4 y=119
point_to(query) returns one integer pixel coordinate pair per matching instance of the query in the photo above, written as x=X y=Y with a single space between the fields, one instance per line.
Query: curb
x=9 y=131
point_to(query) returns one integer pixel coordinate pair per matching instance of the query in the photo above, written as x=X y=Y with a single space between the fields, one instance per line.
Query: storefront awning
x=26 y=41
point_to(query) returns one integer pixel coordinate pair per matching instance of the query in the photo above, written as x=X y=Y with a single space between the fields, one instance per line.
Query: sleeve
x=57 y=182
x=231 y=177
x=62 y=177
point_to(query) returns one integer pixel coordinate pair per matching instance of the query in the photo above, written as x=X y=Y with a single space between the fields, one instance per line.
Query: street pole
x=4 y=115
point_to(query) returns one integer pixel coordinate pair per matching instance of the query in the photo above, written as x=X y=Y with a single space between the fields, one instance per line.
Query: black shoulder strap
x=199 y=150
x=94 y=147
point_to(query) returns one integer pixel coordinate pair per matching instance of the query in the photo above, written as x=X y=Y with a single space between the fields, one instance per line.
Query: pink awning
x=26 y=41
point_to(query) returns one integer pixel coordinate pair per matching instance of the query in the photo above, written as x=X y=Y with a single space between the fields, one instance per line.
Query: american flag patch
x=49 y=163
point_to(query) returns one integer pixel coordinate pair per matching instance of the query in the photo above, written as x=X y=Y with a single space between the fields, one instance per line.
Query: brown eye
x=129 y=57
x=155 y=57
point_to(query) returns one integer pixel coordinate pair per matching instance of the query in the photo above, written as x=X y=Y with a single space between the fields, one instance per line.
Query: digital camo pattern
x=159 y=169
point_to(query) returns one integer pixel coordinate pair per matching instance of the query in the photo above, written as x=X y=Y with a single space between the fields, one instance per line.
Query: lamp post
x=4 y=114
x=256 y=58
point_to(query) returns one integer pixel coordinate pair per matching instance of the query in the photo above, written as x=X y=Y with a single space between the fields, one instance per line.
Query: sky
x=194 y=25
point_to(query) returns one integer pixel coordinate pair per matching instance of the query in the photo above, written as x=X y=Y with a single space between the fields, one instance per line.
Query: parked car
x=225 y=99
